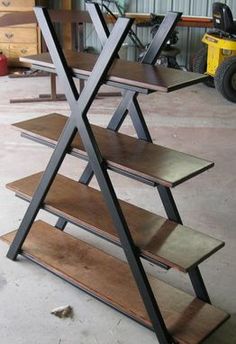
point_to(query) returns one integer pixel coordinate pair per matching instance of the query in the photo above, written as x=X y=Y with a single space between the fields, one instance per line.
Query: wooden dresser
x=19 y=40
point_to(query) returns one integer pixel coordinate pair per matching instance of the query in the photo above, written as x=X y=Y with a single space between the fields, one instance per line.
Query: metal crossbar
x=78 y=121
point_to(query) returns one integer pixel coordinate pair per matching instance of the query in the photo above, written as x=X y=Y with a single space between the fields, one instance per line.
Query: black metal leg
x=119 y=115
x=84 y=179
x=169 y=204
x=138 y=120
x=198 y=285
x=173 y=215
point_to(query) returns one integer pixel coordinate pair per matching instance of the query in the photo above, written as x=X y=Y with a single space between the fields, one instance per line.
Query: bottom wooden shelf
x=188 y=319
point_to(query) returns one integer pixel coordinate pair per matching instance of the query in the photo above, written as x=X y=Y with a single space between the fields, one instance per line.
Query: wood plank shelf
x=188 y=319
x=123 y=73
x=127 y=155
x=160 y=240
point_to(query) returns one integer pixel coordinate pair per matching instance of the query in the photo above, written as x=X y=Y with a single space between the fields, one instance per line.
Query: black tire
x=225 y=79
x=200 y=66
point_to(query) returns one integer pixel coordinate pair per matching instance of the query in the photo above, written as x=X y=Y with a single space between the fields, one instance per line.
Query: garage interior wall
x=189 y=38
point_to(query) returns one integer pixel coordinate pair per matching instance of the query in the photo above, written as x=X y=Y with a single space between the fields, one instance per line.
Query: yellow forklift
x=218 y=57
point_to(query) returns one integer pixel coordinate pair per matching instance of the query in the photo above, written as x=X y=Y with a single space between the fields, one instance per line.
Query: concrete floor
x=195 y=120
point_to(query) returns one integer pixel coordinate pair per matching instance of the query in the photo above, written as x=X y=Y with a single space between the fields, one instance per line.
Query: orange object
x=3 y=65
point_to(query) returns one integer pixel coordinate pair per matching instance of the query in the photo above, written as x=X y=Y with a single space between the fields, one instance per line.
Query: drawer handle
x=9 y=35
x=6 y=3
x=23 y=51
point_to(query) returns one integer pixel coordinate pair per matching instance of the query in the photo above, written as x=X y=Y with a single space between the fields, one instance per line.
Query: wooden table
x=186 y=21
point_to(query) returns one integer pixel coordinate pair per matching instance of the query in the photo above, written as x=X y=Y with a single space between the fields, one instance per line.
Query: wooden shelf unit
x=171 y=313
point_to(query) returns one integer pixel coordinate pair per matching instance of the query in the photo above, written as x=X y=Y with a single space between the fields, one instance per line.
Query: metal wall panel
x=199 y=8
x=163 y=6
x=145 y=6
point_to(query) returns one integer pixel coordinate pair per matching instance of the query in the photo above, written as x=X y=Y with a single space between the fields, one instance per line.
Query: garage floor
x=195 y=120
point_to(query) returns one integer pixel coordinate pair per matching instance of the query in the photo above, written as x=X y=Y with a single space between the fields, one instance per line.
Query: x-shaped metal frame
x=129 y=104
x=78 y=121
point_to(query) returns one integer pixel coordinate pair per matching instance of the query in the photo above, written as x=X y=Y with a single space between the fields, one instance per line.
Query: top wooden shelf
x=135 y=75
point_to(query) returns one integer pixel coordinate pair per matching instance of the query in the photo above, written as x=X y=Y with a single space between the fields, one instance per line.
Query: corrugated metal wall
x=189 y=38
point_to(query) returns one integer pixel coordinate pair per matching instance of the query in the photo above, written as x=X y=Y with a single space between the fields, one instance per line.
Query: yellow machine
x=218 y=58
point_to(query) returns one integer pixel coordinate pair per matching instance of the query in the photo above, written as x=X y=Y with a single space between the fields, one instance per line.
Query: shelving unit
x=173 y=315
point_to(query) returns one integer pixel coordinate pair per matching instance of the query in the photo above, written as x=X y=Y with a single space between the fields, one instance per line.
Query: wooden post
x=66 y=28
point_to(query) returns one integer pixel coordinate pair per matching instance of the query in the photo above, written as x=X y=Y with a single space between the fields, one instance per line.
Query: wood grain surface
x=146 y=76
x=188 y=319
x=160 y=240
x=152 y=162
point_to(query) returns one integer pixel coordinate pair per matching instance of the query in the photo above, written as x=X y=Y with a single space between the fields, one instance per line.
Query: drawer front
x=5 y=49
x=31 y=25
x=18 y=35
x=17 y=50
x=16 y=5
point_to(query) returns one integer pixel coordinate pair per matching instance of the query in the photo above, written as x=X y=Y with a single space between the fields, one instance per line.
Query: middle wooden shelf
x=145 y=161
x=160 y=240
